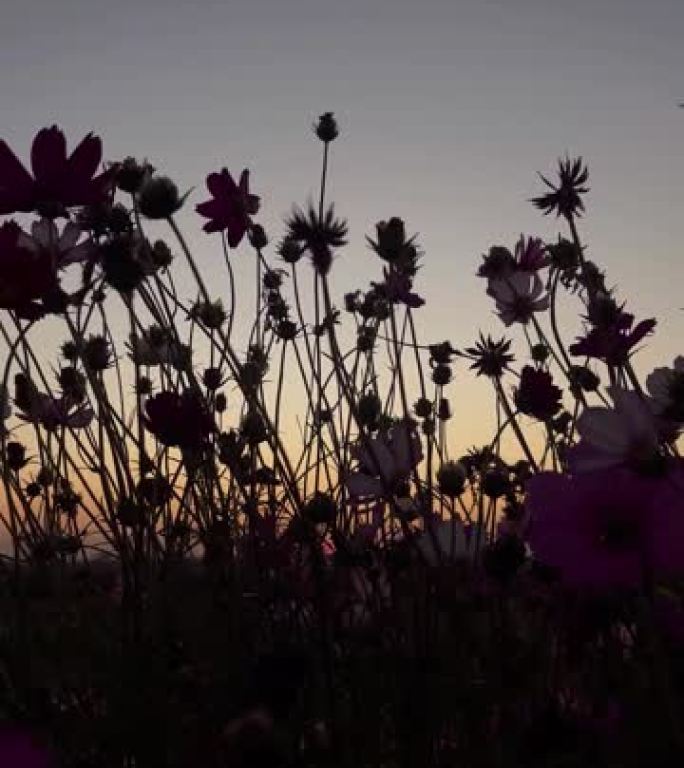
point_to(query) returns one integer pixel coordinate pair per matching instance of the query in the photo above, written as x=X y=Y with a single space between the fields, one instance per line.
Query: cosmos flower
x=537 y=395
x=449 y=540
x=565 y=198
x=26 y=272
x=58 y=181
x=666 y=388
x=624 y=435
x=612 y=342
x=230 y=207
x=48 y=411
x=385 y=462
x=179 y=419
x=604 y=529
x=518 y=296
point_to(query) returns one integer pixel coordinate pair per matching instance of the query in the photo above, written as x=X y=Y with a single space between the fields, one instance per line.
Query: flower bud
x=326 y=129
x=539 y=353
x=423 y=408
x=444 y=409
x=257 y=237
x=161 y=254
x=131 y=175
x=290 y=251
x=320 y=508
x=441 y=375
x=451 y=478
x=159 y=198
x=15 y=455
x=369 y=409
x=96 y=353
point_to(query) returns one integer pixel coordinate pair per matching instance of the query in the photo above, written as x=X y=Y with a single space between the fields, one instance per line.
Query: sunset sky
x=447 y=109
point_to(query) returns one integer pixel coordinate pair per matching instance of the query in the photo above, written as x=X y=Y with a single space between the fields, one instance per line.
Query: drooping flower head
x=607 y=529
x=58 y=181
x=231 y=206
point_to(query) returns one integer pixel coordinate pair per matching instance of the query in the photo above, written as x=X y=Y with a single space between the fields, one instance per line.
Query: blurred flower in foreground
x=58 y=181
x=230 y=207
x=624 y=435
x=18 y=749
x=607 y=528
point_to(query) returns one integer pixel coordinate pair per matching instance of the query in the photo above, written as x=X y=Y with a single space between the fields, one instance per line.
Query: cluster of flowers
x=138 y=451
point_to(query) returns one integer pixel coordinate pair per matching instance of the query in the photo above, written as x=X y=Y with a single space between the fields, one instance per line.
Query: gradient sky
x=447 y=109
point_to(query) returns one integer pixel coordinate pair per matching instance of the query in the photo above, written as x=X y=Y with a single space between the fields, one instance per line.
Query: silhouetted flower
x=498 y=262
x=666 y=388
x=58 y=181
x=518 y=296
x=613 y=341
x=530 y=254
x=393 y=246
x=326 y=128
x=565 y=198
x=47 y=411
x=179 y=419
x=385 y=462
x=317 y=235
x=490 y=358
x=230 y=207
x=159 y=198
x=537 y=395
x=603 y=529
x=26 y=273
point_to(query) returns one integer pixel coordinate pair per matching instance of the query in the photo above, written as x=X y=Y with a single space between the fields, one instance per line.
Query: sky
x=447 y=110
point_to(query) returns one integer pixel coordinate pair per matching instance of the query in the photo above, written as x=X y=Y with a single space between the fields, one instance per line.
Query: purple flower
x=537 y=395
x=604 y=529
x=230 y=207
x=530 y=254
x=18 y=749
x=612 y=342
x=58 y=181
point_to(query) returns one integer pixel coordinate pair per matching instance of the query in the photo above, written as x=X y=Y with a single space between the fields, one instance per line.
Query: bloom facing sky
x=446 y=111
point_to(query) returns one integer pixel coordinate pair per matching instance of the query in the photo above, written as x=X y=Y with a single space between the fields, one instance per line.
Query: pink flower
x=518 y=296
x=230 y=207
x=385 y=462
x=602 y=530
x=58 y=181
x=47 y=411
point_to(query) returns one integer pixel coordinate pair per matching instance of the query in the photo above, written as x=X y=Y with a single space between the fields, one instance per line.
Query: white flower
x=385 y=461
x=518 y=296
x=666 y=388
x=449 y=540
x=612 y=436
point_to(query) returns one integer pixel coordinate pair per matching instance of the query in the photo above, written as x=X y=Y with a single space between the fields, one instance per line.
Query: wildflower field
x=185 y=582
